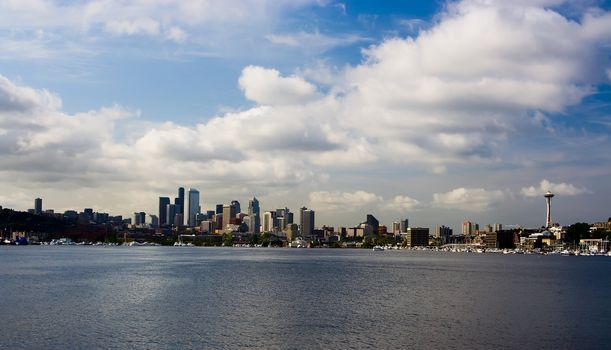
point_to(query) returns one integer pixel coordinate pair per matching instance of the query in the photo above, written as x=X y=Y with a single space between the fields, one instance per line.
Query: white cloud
x=402 y=204
x=132 y=27
x=334 y=201
x=267 y=87
x=469 y=199
x=314 y=42
x=563 y=189
x=176 y=34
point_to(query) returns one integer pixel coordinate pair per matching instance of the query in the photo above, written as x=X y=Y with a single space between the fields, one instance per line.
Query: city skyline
x=436 y=112
x=273 y=219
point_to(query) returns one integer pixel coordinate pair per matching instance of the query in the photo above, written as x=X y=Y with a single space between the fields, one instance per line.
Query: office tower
x=139 y=218
x=268 y=221
x=229 y=212
x=154 y=220
x=254 y=214
x=396 y=227
x=417 y=236
x=193 y=207
x=38 y=206
x=548 y=201
x=219 y=209
x=237 y=207
x=404 y=224
x=497 y=227
x=466 y=228
x=179 y=220
x=443 y=233
x=373 y=222
x=88 y=214
x=163 y=211
x=170 y=214
x=307 y=222
x=180 y=201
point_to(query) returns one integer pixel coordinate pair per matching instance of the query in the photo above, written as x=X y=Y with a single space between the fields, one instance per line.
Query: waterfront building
x=193 y=207
x=254 y=213
x=499 y=239
x=497 y=227
x=416 y=237
x=163 y=211
x=38 y=206
x=403 y=225
x=443 y=233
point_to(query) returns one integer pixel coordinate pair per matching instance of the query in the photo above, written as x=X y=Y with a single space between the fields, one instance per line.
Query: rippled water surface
x=226 y=298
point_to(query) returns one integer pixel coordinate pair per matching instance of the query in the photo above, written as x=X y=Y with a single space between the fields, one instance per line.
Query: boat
x=378 y=248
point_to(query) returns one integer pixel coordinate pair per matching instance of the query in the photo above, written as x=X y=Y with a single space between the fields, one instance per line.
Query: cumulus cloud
x=406 y=103
x=324 y=200
x=403 y=203
x=268 y=87
x=563 y=189
x=469 y=199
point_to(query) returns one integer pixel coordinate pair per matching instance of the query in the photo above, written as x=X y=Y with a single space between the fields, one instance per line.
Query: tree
x=227 y=239
x=577 y=231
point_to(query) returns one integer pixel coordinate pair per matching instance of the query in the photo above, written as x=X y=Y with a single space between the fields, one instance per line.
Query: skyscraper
x=163 y=211
x=403 y=225
x=467 y=228
x=229 y=212
x=254 y=213
x=180 y=201
x=38 y=206
x=236 y=205
x=170 y=214
x=193 y=207
x=268 y=221
x=307 y=222
x=373 y=222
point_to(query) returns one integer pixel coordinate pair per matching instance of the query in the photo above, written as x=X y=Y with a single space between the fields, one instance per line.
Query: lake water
x=54 y=297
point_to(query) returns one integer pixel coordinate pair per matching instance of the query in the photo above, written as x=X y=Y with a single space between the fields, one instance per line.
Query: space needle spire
x=548 y=219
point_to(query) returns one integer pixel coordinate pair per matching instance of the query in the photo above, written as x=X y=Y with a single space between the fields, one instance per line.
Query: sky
x=435 y=111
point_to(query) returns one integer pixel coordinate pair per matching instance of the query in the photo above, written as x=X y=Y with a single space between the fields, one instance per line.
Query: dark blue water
x=226 y=298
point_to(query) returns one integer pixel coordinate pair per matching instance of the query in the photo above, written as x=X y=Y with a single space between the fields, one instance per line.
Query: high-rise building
x=193 y=207
x=442 y=232
x=254 y=214
x=180 y=201
x=163 y=211
x=236 y=205
x=229 y=212
x=404 y=224
x=396 y=227
x=268 y=221
x=139 y=218
x=466 y=228
x=154 y=220
x=373 y=222
x=219 y=209
x=416 y=236
x=170 y=214
x=38 y=206
x=307 y=222
x=497 y=227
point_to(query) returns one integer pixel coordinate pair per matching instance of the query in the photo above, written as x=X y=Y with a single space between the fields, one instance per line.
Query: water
x=227 y=298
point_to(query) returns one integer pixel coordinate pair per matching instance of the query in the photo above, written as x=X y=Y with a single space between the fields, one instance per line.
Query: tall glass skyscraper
x=193 y=207
x=163 y=211
x=254 y=213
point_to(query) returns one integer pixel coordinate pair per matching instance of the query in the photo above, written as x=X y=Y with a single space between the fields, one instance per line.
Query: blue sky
x=437 y=111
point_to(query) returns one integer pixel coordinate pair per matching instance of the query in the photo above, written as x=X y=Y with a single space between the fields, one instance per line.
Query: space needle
x=548 y=198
